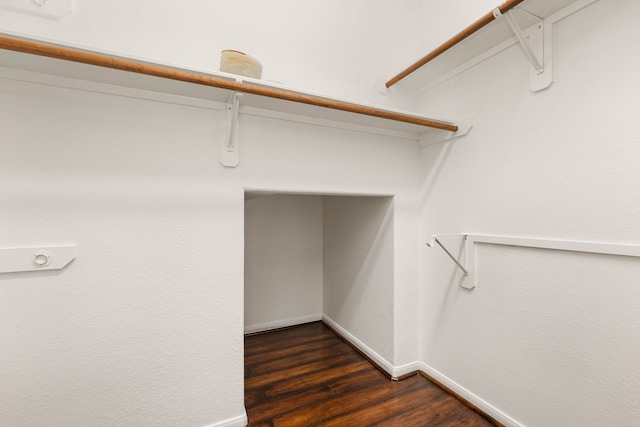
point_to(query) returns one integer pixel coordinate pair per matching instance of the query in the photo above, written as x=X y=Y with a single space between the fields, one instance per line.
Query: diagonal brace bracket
x=528 y=51
x=434 y=241
x=536 y=44
x=229 y=145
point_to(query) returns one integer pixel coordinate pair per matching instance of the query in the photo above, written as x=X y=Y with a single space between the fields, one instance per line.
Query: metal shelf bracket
x=434 y=241
x=229 y=143
x=434 y=137
x=528 y=50
x=536 y=45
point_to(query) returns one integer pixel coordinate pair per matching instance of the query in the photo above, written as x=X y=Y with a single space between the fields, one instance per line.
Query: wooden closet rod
x=168 y=73
x=486 y=19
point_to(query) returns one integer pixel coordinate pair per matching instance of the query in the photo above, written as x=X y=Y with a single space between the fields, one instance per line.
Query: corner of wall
x=465 y=394
x=394 y=372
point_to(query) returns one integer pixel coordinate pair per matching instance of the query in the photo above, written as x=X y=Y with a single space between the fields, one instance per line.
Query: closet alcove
x=320 y=257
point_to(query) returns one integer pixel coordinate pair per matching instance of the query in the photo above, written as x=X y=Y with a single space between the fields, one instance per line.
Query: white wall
x=282 y=260
x=358 y=269
x=332 y=47
x=441 y=20
x=322 y=257
x=548 y=338
x=145 y=327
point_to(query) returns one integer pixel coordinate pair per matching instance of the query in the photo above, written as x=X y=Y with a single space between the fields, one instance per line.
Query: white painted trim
x=620 y=249
x=471 y=280
x=409 y=368
x=239 y=421
x=283 y=323
x=315 y=191
x=481 y=404
x=470 y=258
x=399 y=371
x=375 y=357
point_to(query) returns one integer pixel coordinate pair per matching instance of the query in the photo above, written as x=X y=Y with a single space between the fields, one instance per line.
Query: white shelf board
x=35 y=68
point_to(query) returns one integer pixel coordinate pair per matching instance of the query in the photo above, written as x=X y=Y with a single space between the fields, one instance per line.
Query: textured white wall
x=358 y=269
x=308 y=257
x=441 y=20
x=145 y=327
x=332 y=47
x=282 y=260
x=547 y=337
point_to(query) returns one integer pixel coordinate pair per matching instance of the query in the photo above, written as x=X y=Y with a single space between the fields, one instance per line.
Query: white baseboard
x=399 y=371
x=250 y=329
x=393 y=371
x=409 y=368
x=375 y=357
x=470 y=397
x=239 y=421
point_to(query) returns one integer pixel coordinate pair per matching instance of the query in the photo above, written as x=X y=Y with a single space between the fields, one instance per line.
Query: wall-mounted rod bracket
x=536 y=44
x=528 y=50
x=233 y=105
x=434 y=241
x=436 y=136
x=229 y=145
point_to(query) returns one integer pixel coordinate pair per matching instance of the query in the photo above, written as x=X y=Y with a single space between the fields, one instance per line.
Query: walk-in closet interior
x=450 y=186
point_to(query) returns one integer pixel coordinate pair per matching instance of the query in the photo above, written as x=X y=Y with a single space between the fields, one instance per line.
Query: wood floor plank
x=311 y=331
x=274 y=408
x=304 y=372
x=253 y=397
x=307 y=376
x=316 y=379
x=335 y=348
x=303 y=329
x=279 y=350
x=361 y=398
x=440 y=412
x=380 y=411
x=344 y=385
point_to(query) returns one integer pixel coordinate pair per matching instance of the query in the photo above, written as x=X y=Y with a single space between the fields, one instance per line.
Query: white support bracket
x=36 y=258
x=528 y=50
x=463 y=266
x=469 y=257
x=536 y=45
x=229 y=143
x=435 y=136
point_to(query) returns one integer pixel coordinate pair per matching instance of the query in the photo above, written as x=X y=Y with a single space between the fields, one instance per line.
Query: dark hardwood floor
x=308 y=376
